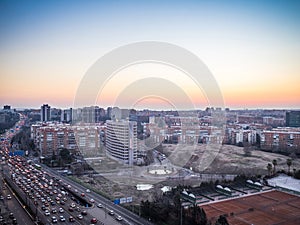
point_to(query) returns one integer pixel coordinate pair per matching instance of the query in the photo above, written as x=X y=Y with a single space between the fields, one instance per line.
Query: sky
x=252 y=49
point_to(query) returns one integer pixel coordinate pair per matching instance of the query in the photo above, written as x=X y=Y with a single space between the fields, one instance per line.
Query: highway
x=36 y=187
x=128 y=216
x=14 y=205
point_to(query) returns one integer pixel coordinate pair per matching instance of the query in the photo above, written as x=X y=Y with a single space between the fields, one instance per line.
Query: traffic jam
x=54 y=200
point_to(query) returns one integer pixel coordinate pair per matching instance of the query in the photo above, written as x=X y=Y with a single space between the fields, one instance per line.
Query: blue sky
x=42 y=42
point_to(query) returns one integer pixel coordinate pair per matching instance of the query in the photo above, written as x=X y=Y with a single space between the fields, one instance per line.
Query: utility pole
x=180 y=212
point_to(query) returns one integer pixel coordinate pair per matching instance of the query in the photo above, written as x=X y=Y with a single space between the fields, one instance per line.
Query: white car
x=54 y=220
x=92 y=200
x=62 y=219
x=119 y=218
x=88 y=190
x=47 y=213
x=111 y=212
x=100 y=205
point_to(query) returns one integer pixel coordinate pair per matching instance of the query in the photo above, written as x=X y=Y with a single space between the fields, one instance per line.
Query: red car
x=93 y=220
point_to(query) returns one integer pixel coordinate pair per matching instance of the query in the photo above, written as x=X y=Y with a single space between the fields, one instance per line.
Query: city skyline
x=251 y=48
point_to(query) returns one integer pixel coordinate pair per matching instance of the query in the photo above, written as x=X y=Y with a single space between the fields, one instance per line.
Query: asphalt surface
x=15 y=206
x=128 y=216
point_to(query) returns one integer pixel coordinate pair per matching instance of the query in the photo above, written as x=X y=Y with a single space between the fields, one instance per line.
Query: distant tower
x=6 y=107
x=116 y=114
x=45 y=113
x=292 y=118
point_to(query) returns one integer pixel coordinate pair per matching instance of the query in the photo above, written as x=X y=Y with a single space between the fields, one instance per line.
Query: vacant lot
x=117 y=180
x=226 y=159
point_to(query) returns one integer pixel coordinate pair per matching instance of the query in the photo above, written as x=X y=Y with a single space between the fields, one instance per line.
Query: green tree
x=274 y=162
x=269 y=168
x=64 y=153
x=289 y=163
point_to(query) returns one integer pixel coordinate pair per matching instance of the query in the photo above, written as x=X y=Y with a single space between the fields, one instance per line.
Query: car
x=62 y=219
x=47 y=213
x=1 y=197
x=54 y=220
x=111 y=212
x=53 y=210
x=94 y=220
x=14 y=221
x=82 y=194
x=100 y=205
x=119 y=218
x=71 y=219
x=11 y=215
x=61 y=210
x=71 y=209
x=88 y=190
x=84 y=213
x=79 y=216
x=8 y=197
x=92 y=200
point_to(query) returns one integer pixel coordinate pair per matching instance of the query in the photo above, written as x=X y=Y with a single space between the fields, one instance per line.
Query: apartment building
x=51 y=137
x=281 y=139
x=121 y=140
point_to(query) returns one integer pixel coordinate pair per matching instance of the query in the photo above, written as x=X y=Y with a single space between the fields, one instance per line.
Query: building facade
x=121 y=140
x=45 y=113
x=50 y=138
x=293 y=119
x=281 y=140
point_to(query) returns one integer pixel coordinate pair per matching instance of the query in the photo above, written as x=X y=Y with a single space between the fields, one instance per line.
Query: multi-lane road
x=101 y=213
x=13 y=205
x=44 y=190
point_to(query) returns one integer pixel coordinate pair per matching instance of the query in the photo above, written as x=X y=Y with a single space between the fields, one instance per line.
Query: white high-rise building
x=121 y=140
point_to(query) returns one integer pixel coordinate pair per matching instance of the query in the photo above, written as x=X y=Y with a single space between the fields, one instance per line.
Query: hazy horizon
x=140 y=109
x=251 y=48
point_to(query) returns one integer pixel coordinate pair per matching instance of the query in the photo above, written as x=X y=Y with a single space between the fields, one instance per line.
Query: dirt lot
x=224 y=160
x=228 y=159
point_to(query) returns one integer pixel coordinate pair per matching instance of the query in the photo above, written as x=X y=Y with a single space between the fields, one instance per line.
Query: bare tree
x=289 y=163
